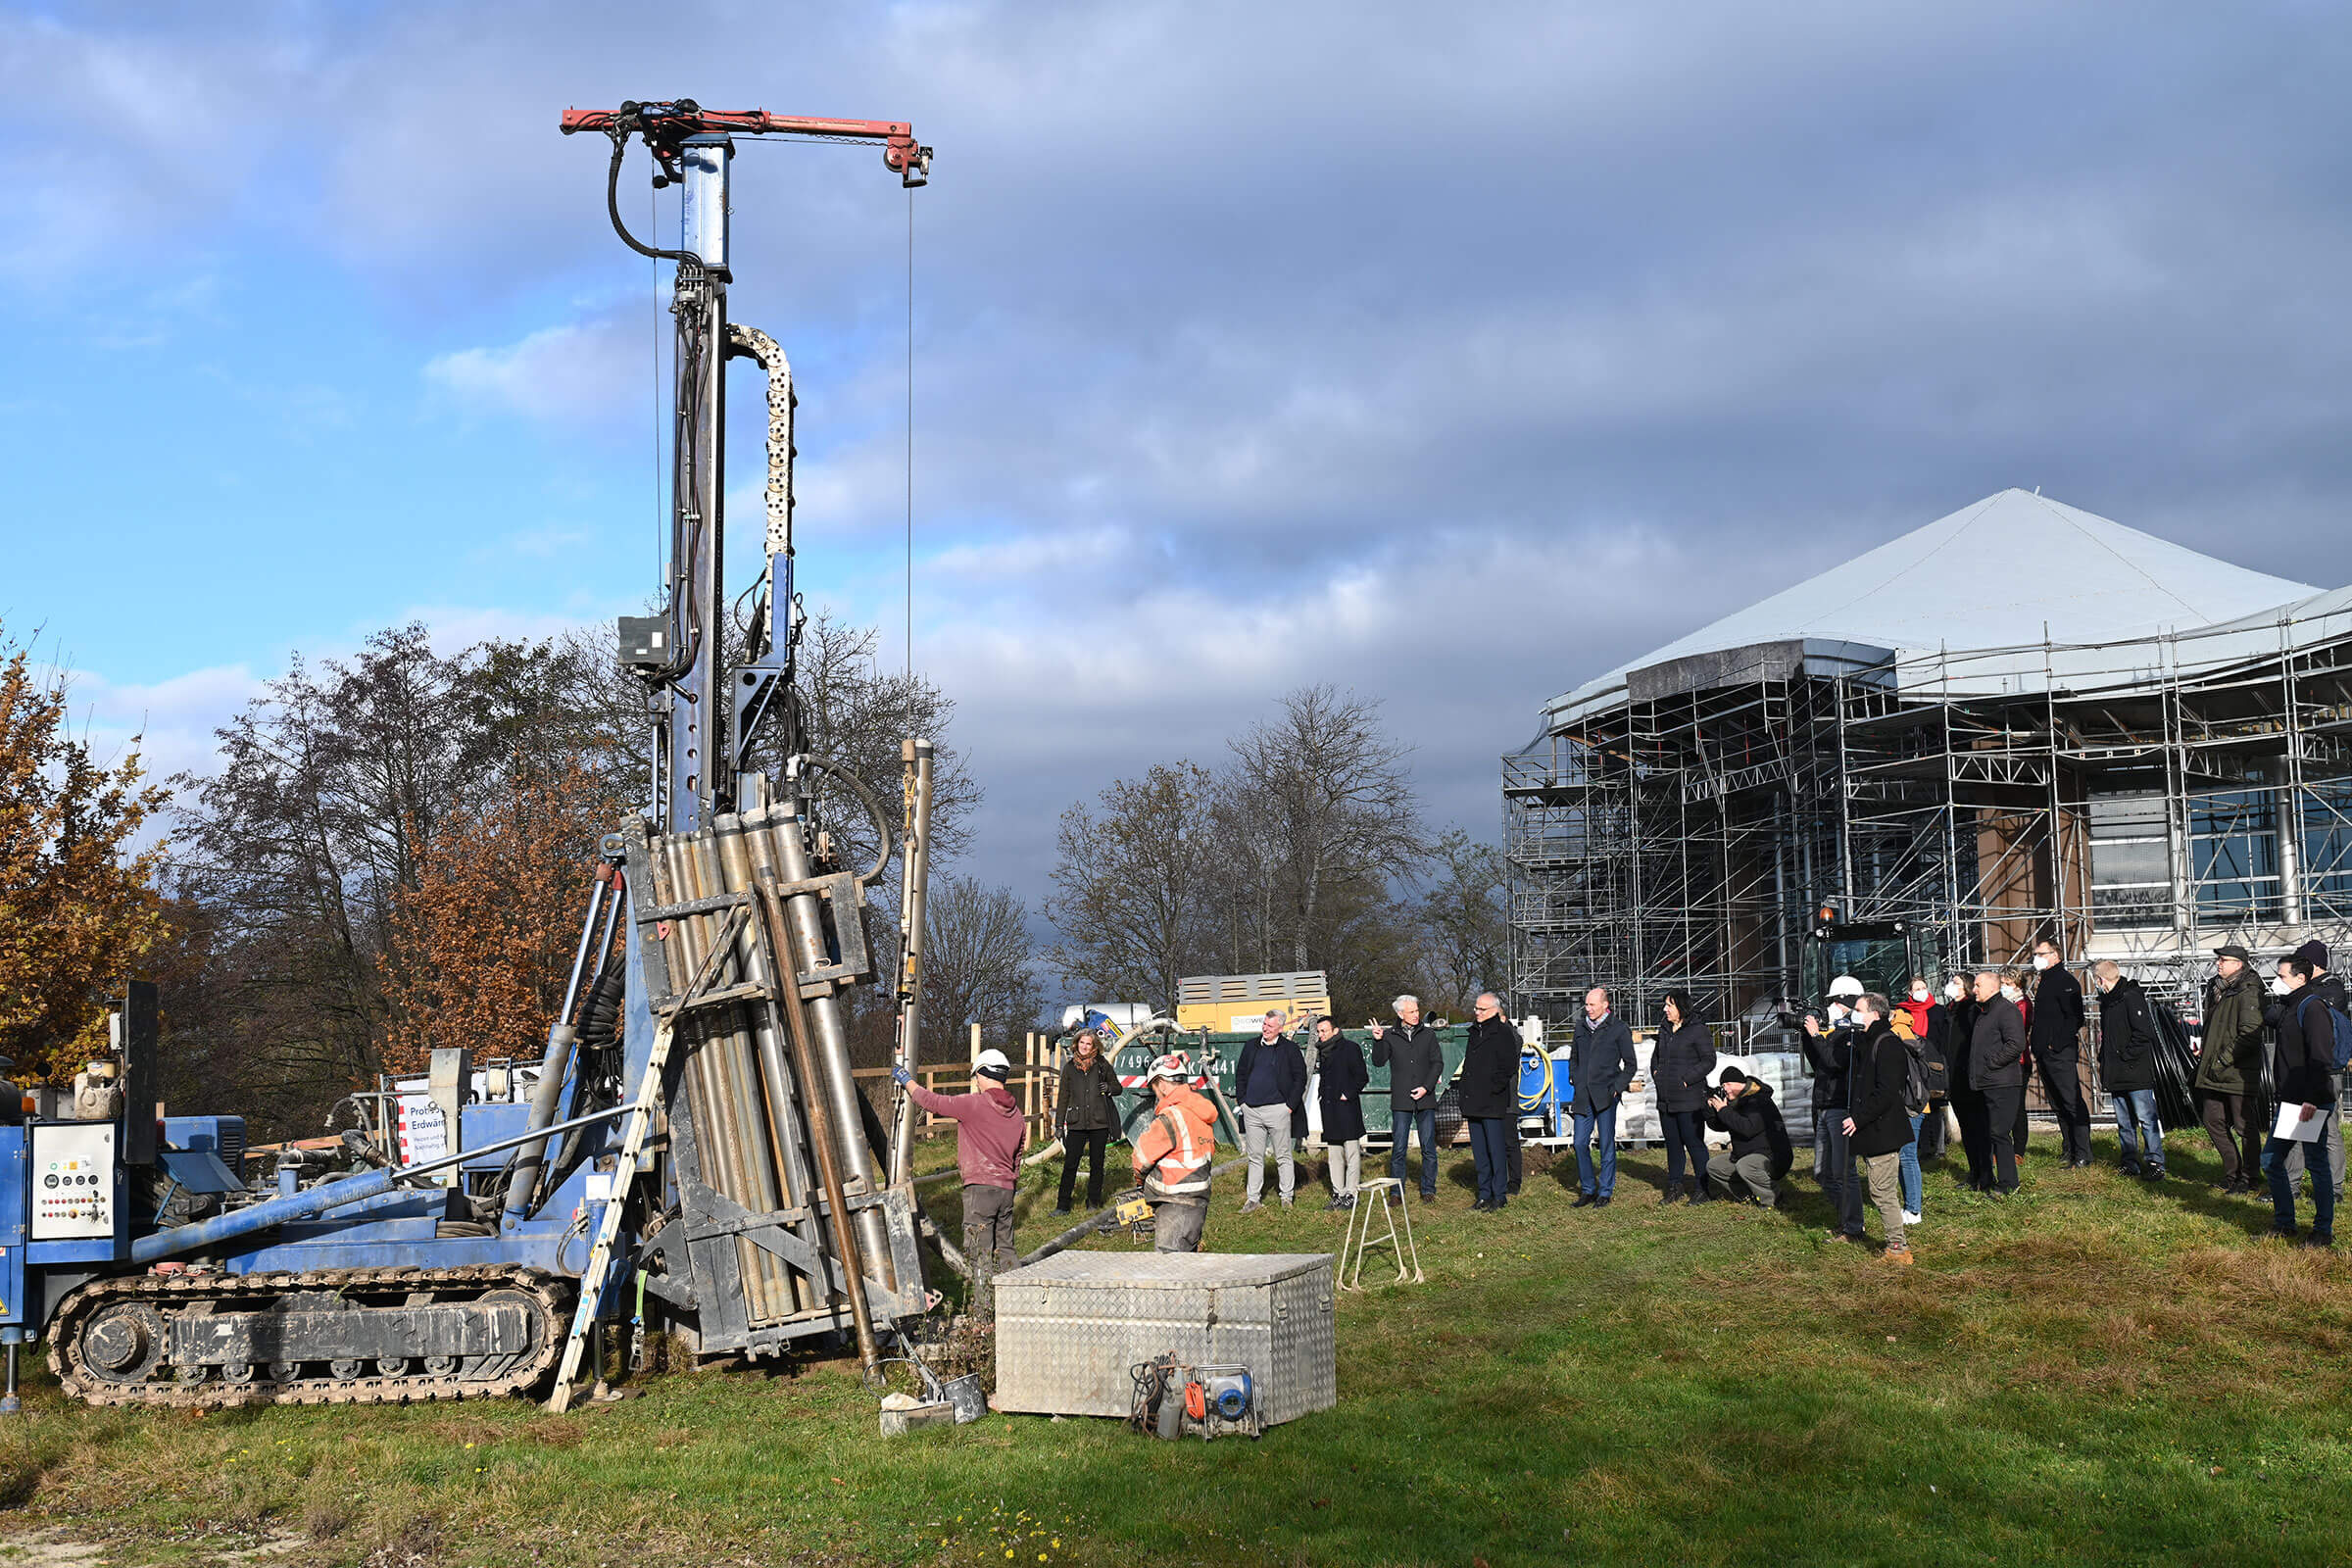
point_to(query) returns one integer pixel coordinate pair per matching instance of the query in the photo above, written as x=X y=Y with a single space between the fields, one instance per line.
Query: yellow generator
x=1234 y=1004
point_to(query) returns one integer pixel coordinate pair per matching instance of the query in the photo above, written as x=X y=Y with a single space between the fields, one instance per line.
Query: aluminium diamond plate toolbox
x=1069 y=1327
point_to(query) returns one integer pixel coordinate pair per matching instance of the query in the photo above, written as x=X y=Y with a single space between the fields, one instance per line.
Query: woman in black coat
x=1680 y=1064
x=1339 y=1091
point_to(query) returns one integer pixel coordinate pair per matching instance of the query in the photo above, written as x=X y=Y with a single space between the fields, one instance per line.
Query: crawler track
x=130 y=1363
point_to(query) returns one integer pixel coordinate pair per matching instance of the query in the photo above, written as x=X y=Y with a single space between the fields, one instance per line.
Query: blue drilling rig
x=693 y=1150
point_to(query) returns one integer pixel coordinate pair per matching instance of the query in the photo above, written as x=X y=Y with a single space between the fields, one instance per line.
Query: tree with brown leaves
x=483 y=938
x=77 y=908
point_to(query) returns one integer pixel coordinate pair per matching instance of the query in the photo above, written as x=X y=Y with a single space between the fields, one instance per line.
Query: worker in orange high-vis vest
x=1172 y=1154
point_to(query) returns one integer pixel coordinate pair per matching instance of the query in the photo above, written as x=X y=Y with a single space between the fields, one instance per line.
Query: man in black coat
x=2304 y=1071
x=1997 y=1071
x=1490 y=1087
x=1879 y=1120
x=2058 y=1049
x=1829 y=1053
x=2127 y=1070
x=1339 y=1090
x=1759 y=1155
x=1416 y=1067
x=1600 y=1065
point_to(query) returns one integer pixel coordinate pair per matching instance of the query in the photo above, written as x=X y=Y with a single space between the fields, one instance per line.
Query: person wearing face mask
x=1931 y=1023
x=1829 y=1053
x=1996 y=1067
x=2056 y=1029
x=2313 y=957
x=1879 y=1123
x=2304 y=1069
x=2015 y=991
x=1967 y=1100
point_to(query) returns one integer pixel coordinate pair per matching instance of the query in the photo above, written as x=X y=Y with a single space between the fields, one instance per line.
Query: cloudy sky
x=1451 y=353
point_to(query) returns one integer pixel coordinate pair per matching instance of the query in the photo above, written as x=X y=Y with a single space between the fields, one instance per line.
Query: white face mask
x=1839 y=1010
x=1919 y=993
x=1951 y=990
x=2278 y=985
x=2012 y=993
x=2042 y=960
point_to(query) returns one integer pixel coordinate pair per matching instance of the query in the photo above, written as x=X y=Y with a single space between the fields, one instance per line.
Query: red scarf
x=1919 y=1014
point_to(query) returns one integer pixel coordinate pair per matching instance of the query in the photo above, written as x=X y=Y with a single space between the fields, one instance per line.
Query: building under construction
x=2020 y=720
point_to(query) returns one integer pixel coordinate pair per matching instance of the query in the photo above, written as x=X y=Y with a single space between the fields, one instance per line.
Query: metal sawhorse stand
x=1371 y=1196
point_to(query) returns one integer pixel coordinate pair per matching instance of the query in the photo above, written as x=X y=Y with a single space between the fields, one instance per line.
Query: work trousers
x=1490 y=1155
x=1176 y=1224
x=2001 y=1110
x=2282 y=1182
x=1265 y=1127
x=2333 y=1138
x=1752 y=1172
x=1976 y=1137
x=2233 y=1122
x=1834 y=1160
x=1595 y=1130
x=2062 y=1087
x=1090 y=1141
x=2136 y=1131
x=1685 y=1132
x=1345 y=1164
x=1886 y=1192
x=1424 y=1125
x=988 y=1243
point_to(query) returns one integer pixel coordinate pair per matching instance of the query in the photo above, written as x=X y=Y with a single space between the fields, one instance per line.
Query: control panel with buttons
x=72 y=1180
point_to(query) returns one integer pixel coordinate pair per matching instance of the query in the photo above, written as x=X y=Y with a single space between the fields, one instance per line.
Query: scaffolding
x=2142 y=800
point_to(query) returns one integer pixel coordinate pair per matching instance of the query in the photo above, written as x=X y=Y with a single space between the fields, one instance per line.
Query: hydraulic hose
x=883 y=833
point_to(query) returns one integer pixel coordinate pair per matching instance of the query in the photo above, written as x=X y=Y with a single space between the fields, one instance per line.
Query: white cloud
x=588 y=372
x=169 y=723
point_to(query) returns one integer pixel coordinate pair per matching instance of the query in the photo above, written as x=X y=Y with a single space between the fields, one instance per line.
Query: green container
x=1221 y=1056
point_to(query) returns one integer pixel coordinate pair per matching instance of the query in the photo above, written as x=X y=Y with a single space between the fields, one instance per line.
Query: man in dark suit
x=2057 y=1030
x=1600 y=1065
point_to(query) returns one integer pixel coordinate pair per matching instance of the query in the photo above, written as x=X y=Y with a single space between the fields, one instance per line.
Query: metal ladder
x=597 y=1274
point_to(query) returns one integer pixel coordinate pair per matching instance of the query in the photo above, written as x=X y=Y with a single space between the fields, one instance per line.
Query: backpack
x=2339 y=1026
x=1921 y=1076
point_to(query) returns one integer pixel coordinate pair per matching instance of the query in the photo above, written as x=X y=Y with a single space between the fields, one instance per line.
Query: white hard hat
x=1174 y=1066
x=993 y=1063
x=1846 y=984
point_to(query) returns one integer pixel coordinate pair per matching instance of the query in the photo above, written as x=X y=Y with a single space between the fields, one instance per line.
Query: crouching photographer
x=1759 y=1155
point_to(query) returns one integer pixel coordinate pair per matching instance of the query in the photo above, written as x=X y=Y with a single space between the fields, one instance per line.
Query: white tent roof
x=2013 y=570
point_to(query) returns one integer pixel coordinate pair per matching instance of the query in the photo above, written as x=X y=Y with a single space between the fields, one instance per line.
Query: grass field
x=2092 y=1373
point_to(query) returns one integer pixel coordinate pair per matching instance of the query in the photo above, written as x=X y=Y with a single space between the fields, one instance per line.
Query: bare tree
x=1465 y=926
x=1336 y=796
x=980 y=969
x=1131 y=884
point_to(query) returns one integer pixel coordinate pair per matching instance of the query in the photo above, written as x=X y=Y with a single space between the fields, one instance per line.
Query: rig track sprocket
x=151 y=1300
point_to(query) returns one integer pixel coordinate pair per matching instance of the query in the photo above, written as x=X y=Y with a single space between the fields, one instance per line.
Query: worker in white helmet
x=989 y=1133
x=1172 y=1154
x=1829 y=1053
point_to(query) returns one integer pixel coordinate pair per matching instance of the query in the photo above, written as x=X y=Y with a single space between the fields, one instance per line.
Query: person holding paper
x=2303 y=1067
